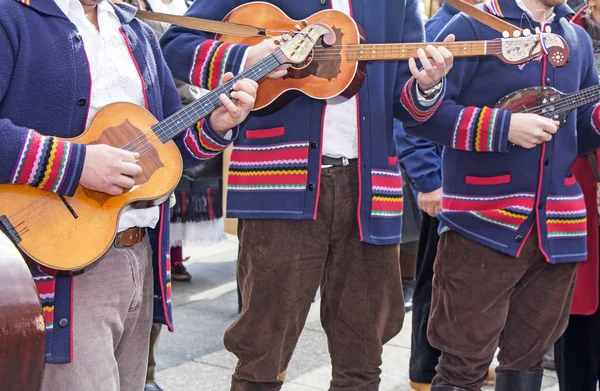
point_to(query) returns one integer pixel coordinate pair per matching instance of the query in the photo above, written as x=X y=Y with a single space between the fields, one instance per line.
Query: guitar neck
x=404 y=51
x=172 y=126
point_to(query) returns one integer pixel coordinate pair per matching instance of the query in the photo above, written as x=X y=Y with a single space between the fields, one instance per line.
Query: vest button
x=314 y=145
x=518 y=238
x=548 y=81
x=63 y=322
x=81 y=102
x=311 y=186
x=79 y=36
x=546 y=162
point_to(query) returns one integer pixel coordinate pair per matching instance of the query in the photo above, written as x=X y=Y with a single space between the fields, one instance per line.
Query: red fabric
x=585 y=299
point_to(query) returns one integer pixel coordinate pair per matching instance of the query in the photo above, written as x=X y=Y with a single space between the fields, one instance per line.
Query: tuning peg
x=304 y=23
x=526 y=32
x=506 y=34
x=285 y=37
x=277 y=42
x=516 y=33
x=298 y=27
x=291 y=33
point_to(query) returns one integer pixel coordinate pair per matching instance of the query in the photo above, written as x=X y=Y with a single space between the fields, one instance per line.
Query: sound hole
x=325 y=63
x=128 y=135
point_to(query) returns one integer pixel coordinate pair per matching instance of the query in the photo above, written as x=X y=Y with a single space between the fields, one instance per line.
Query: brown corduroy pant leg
x=483 y=299
x=281 y=265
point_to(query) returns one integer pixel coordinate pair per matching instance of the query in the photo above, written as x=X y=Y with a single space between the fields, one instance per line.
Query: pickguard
x=127 y=135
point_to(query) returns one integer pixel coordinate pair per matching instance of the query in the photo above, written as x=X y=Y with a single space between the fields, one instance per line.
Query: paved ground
x=193 y=358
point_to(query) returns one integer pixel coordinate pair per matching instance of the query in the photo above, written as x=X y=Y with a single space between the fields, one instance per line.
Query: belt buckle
x=345 y=161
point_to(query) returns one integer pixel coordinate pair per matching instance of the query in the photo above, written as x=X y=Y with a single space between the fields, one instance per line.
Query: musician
x=62 y=61
x=306 y=183
x=512 y=223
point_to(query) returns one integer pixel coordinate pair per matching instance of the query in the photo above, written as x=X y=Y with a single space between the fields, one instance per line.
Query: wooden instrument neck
x=404 y=51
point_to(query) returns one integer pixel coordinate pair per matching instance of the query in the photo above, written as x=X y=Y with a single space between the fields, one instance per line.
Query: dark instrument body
x=545 y=101
x=22 y=331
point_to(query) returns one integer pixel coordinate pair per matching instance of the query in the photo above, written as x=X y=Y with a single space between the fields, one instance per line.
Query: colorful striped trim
x=410 y=102
x=168 y=280
x=596 y=119
x=566 y=216
x=387 y=200
x=202 y=142
x=26 y=2
x=511 y=218
x=494 y=7
x=476 y=129
x=521 y=202
x=45 y=285
x=272 y=167
x=42 y=162
x=209 y=63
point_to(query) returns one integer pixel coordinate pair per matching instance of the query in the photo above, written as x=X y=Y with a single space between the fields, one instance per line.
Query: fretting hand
x=234 y=112
x=262 y=50
x=109 y=170
x=530 y=130
x=434 y=69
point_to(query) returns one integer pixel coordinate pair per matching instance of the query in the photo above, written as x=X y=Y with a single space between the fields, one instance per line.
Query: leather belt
x=337 y=161
x=129 y=237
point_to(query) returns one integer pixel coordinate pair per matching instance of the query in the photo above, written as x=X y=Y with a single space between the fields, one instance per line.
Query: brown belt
x=129 y=237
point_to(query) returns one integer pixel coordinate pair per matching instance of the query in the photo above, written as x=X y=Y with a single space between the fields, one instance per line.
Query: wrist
x=219 y=130
x=429 y=90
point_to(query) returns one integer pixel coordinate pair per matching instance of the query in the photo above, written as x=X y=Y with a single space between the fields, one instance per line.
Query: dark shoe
x=408 y=288
x=179 y=272
x=518 y=381
x=447 y=388
x=152 y=387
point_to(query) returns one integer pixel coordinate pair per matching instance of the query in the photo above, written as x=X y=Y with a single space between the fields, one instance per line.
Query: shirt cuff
x=430 y=101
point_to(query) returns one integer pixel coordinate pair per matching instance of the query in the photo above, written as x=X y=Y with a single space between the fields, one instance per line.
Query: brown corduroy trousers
x=281 y=265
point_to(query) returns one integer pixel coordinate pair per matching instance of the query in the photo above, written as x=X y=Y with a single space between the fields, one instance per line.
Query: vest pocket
x=386 y=190
x=489 y=180
x=265 y=133
x=276 y=167
x=570 y=181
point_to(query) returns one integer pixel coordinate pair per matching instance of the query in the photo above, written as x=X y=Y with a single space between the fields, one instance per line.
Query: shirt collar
x=522 y=17
x=68 y=6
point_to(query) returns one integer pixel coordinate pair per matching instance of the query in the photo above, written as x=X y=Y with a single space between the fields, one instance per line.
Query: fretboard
x=579 y=98
x=404 y=51
x=170 y=127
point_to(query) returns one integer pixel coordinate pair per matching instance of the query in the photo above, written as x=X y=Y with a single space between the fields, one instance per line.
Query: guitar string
x=142 y=145
x=589 y=94
x=145 y=148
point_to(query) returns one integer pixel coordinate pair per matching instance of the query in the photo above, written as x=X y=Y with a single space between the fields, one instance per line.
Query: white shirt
x=175 y=7
x=114 y=79
x=340 y=125
x=340 y=122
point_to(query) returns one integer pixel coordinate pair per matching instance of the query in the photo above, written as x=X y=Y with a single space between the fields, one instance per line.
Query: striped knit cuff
x=203 y=142
x=49 y=163
x=415 y=108
x=481 y=130
x=212 y=59
x=596 y=119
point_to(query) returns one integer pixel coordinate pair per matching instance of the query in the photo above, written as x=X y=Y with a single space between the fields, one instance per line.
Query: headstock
x=526 y=48
x=298 y=45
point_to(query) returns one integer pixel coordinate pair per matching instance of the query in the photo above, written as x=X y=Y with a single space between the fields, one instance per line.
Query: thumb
x=450 y=38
